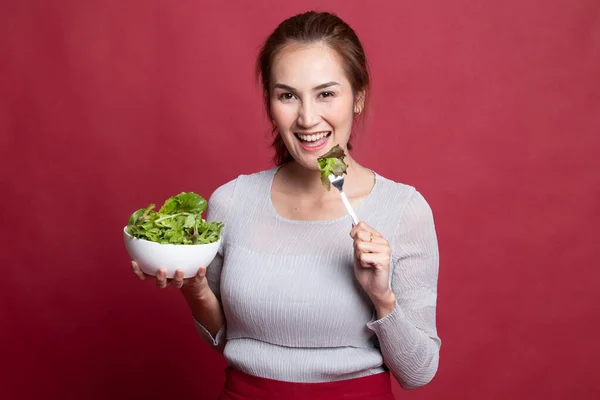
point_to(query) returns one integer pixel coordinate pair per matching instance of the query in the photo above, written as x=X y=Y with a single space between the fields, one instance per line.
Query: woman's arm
x=205 y=306
x=407 y=335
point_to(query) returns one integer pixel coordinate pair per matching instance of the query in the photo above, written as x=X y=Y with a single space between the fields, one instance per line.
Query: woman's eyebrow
x=291 y=89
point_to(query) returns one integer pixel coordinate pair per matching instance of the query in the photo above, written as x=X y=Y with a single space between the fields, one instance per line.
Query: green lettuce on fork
x=178 y=221
x=332 y=163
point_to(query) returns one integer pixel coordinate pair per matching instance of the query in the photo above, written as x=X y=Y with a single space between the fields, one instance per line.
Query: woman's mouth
x=313 y=141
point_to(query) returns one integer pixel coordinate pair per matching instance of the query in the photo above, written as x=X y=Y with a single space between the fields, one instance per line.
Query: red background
x=490 y=108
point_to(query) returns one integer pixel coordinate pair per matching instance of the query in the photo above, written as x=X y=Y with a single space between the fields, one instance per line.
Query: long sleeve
x=218 y=205
x=408 y=335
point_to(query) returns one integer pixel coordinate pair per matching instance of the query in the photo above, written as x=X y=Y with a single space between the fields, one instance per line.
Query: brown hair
x=312 y=27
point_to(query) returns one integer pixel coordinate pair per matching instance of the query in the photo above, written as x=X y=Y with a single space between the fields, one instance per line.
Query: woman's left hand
x=372 y=255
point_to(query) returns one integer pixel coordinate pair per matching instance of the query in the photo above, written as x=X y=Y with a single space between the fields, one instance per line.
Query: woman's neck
x=303 y=181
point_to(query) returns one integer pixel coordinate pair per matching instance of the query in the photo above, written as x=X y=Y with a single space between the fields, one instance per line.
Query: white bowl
x=152 y=256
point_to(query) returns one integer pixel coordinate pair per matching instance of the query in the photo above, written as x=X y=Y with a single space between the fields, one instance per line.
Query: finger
x=369 y=228
x=198 y=279
x=366 y=247
x=161 y=279
x=201 y=274
x=374 y=260
x=135 y=268
x=369 y=237
x=363 y=227
x=178 y=279
x=197 y=283
x=364 y=236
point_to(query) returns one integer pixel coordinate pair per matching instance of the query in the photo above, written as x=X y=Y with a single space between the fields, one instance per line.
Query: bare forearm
x=207 y=311
x=384 y=305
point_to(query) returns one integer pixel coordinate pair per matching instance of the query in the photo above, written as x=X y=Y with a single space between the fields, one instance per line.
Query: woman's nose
x=307 y=117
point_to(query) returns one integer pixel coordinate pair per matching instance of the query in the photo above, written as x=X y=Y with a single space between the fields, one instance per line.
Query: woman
x=303 y=304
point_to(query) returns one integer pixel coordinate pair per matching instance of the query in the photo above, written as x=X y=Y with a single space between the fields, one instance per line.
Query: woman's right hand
x=194 y=287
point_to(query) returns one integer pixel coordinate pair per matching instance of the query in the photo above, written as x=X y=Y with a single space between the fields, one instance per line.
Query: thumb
x=200 y=281
x=201 y=274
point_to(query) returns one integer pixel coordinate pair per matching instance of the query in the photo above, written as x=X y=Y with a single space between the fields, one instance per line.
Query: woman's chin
x=306 y=162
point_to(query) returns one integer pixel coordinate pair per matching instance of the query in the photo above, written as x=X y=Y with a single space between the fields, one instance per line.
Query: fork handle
x=349 y=208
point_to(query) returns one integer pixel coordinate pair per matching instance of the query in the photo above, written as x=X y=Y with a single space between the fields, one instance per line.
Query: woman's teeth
x=312 y=138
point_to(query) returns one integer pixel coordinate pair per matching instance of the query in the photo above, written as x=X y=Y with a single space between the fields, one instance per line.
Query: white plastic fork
x=338 y=182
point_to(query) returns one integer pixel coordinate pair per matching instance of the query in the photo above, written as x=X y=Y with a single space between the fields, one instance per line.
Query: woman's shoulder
x=390 y=187
x=402 y=195
x=225 y=191
x=221 y=203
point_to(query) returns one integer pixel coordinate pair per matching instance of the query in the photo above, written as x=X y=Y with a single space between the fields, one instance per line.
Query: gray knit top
x=293 y=309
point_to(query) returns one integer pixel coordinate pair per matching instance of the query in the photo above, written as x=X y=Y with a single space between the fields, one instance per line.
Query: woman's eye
x=327 y=94
x=286 y=96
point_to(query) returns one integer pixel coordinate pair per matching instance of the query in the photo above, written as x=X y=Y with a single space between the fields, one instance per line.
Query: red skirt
x=241 y=386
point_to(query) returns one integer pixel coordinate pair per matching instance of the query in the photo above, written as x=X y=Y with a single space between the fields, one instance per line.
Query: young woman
x=303 y=304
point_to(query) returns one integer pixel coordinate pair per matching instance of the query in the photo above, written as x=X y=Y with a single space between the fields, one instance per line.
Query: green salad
x=332 y=163
x=178 y=221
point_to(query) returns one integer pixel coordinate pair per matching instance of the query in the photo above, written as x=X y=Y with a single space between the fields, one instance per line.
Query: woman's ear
x=359 y=102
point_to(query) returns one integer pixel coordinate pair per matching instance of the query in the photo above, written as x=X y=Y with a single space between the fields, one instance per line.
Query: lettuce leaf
x=178 y=221
x=332 y=163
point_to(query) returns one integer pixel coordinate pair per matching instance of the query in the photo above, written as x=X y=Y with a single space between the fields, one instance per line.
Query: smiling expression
x=312 y=102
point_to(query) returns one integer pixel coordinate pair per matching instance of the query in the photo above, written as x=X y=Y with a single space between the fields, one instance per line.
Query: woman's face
x=312 y=101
